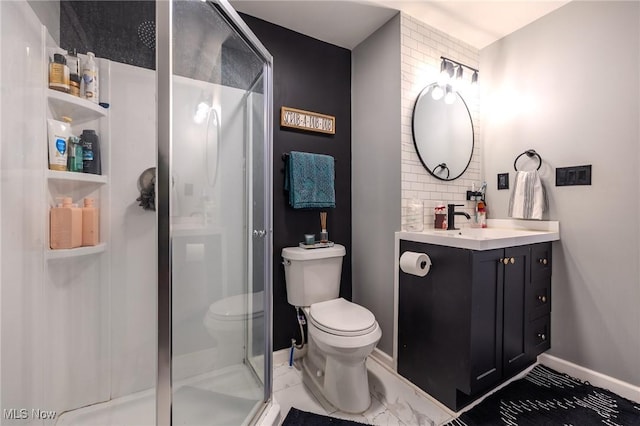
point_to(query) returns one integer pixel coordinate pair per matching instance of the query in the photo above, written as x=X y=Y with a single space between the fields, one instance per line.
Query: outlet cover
x=503 y=180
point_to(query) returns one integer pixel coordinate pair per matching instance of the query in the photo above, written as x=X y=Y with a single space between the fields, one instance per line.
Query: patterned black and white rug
x=546 y=397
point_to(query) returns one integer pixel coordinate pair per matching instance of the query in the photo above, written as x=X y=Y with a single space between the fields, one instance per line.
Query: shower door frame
x=164 y=74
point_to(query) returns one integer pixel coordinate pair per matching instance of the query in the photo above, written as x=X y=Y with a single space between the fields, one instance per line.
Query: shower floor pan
x=225 y=397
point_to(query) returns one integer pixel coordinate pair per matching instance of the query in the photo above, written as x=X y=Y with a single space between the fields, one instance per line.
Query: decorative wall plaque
x=307 y=120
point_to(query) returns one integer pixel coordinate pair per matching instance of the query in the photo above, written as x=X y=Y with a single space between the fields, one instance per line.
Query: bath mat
x=297 y=417
x=547 y=397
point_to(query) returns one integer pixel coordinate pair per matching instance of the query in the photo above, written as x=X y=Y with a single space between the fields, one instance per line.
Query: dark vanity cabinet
x=476 y=319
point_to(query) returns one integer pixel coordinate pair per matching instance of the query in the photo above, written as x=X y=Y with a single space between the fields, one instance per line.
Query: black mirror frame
x=441 y=165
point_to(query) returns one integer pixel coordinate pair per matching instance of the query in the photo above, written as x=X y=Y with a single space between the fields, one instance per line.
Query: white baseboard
x=383 y=358
x=624 y=389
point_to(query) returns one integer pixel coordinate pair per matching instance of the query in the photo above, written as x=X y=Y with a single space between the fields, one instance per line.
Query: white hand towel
x=529 y=198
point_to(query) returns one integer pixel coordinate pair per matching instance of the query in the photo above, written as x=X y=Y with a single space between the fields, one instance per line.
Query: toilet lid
x=236 y=307
x=342 y=318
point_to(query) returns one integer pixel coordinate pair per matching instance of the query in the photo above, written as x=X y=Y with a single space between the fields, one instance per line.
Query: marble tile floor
x=393 y=402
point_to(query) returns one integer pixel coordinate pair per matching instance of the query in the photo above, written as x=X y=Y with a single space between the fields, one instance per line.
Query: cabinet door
x=517 y=273
x=486 y=319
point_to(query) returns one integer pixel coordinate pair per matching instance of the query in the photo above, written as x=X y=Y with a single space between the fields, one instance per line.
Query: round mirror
x=442 y=133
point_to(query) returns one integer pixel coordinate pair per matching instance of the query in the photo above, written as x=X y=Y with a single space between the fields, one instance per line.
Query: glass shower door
x=218 y=219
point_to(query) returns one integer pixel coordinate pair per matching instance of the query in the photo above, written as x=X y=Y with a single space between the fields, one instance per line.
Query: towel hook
x=530 y=153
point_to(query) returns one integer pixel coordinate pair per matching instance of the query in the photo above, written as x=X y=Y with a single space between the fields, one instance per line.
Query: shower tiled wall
x=421 y=48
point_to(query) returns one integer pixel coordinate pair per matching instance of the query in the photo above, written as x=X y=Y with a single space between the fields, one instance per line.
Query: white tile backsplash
x=421 y=49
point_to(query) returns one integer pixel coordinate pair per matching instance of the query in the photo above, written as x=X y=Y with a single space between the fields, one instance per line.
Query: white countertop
x=499 y=233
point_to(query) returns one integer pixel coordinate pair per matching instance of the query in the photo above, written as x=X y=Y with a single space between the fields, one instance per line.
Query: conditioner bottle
x=90 y=223
x=65 y=227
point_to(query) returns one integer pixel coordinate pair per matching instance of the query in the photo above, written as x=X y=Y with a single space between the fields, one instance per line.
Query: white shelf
x=75 y=252
x=78 y=109
x=77 y=177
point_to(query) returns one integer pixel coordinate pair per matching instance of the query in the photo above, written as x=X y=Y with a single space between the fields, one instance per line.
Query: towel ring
x=530 y=153
x=442 y=166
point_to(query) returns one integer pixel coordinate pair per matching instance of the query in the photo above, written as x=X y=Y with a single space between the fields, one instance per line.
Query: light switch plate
x=574 y=175
x=503 y=180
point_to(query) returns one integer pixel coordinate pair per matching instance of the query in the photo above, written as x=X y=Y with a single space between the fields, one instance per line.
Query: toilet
x=341 y=334
x=225 y=321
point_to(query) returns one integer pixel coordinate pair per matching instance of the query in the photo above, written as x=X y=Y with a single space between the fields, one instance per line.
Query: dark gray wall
x=568 y=86
x=376 y=164
x=311 y=75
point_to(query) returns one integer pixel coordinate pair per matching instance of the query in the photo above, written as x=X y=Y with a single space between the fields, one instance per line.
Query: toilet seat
x=234 y=308
x=340 y=317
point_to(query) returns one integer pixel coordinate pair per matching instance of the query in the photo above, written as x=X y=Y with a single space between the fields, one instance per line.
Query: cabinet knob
x=503 y=260
x=512 y=261
x=543 y=299
x=542 y=336
x=543 y=261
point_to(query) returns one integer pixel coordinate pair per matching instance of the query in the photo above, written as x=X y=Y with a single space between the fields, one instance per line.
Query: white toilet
x=341 y=334
x=226 y=320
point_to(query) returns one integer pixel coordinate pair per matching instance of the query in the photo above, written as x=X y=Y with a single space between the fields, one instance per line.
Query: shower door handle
x=259 y=233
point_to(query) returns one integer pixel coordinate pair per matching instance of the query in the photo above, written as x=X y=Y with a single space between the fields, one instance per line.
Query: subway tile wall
x=421 y=48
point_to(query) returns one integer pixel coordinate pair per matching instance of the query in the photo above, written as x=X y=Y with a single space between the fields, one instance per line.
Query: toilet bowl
x=226 y=320
x=341 y=334
x=341 y=337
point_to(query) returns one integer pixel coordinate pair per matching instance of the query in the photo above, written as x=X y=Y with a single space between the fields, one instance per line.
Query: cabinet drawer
x=539 y=299
x=540 y=261
x=539 y=336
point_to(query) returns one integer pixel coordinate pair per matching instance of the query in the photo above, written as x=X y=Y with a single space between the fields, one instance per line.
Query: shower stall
x=167 y=320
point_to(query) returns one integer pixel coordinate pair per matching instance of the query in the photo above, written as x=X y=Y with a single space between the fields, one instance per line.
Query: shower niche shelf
x=80 y=110
x=75 y=252
x=77 y=177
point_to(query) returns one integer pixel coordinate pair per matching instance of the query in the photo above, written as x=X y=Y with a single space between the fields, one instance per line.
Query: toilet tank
x=312 y=275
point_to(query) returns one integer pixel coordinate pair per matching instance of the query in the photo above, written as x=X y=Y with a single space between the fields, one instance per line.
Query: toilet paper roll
x=415 y=263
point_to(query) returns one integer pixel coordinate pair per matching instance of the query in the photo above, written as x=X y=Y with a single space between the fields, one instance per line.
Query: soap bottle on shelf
x=65 y=225
x=90 y=152
x=90 y=223
x=59 y=73
x=90 y=78
x=75 y=159
x=481 y=215
x=73 y=62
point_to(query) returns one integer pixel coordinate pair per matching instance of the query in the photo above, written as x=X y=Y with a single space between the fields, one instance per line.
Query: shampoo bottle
x=90 y=224
x=59 y=133
x=90 y=78
x=90 y=152
x=65 y=227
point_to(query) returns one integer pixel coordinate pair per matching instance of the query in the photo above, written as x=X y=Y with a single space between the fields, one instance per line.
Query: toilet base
x=338 y=385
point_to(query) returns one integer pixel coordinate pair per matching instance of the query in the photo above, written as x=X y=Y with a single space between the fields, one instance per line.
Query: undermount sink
x=500 y=233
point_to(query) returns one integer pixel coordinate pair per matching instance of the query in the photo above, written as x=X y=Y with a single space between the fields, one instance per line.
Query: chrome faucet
x=451 y=214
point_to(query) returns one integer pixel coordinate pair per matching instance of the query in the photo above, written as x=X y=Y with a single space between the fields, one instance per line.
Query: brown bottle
x=90 y=224
x=65 y=228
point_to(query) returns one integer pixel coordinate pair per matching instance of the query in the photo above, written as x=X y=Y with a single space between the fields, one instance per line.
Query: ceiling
x=347 y=23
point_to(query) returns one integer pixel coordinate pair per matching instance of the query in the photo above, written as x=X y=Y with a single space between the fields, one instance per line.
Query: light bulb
x=450 y=95
x=437 y=93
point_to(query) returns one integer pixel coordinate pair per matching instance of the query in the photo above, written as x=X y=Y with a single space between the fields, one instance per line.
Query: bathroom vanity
x=481 y=314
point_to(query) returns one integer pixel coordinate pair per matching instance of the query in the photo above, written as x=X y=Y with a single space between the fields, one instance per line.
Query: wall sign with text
x=307 y=120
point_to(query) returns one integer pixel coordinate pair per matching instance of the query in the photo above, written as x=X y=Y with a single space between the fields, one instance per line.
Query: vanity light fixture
x=446 y=77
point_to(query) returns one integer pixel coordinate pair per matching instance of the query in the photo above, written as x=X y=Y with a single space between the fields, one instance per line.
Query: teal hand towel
x=310 y=180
